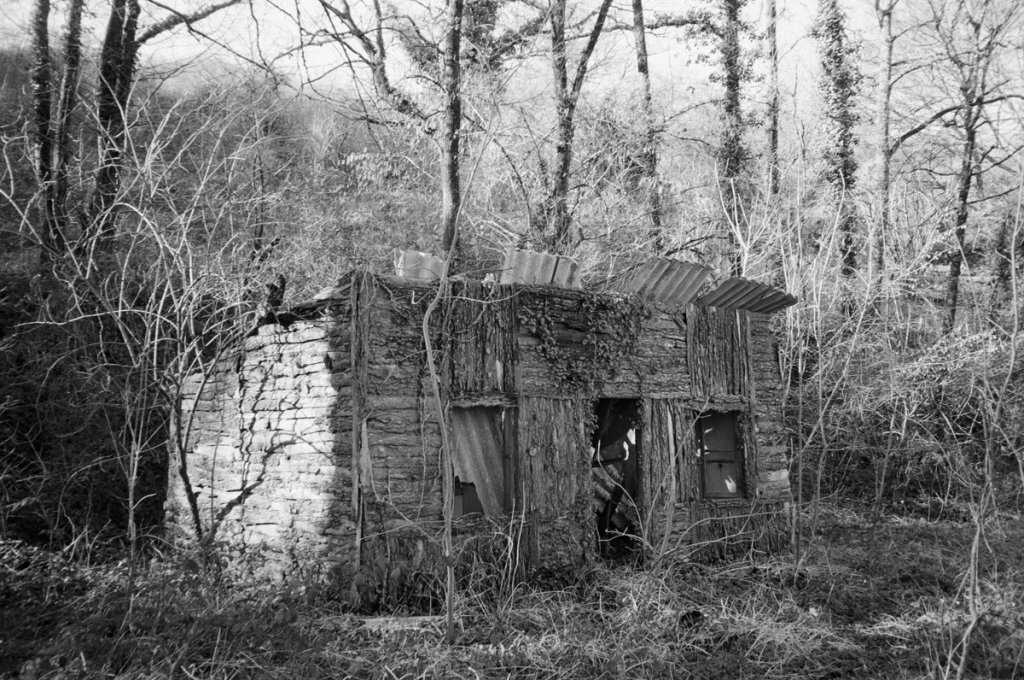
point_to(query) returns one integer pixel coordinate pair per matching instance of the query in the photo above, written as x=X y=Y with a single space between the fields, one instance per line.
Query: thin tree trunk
x=1002 y=286
x=451 y=195
x=68 y=100
x=774 y=174
x=557 y=208
x=964 y=178
x=42 y=123
x=649 y=161
x=557 y=203
x=731 y=153
x=884 y=133
x=117 y=68
x=839 y=87
x=732 y=133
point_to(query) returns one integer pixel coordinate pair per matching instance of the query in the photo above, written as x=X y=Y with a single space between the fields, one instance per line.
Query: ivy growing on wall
x=610 y=330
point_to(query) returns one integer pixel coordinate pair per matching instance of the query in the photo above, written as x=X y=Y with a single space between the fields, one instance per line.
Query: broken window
x=481 y=456
x=720 y=448
x=467 y=502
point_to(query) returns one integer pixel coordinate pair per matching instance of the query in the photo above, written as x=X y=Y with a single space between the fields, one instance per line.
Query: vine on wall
x=583 y=361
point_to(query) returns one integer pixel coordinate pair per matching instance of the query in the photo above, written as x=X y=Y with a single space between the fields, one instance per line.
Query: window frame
x=735 y=456
x=505 y=416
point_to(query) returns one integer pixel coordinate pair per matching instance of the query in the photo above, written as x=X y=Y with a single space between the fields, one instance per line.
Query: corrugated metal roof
x=661 y=279
x=665 y=280
x=412 y=264
x=525 y=266
x=740 y=293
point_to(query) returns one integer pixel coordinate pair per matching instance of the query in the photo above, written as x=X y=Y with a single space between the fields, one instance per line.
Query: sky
x=264 y=29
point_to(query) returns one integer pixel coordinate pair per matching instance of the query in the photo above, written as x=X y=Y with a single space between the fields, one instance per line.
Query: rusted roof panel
x=525 y=266
x=666 y=280
x=740 y=293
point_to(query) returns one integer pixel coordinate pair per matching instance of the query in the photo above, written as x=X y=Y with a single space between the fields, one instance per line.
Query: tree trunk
x=649 y=160
x=117 y=68
x=42 y=123
x=451 y=195
x=884 y=134
x=773 y=100
x=965 y=175
x=1006 y=261
x=731 y=153
x=556 y=205
x=839 y=85
x=68 y=100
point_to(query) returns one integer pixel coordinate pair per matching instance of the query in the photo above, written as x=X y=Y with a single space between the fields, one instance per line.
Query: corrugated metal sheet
x=665 y=280
x=773 y=302
x=478 y=454
x=412 y=264
x=525 y=266
x=740 y=293
x=340 y=293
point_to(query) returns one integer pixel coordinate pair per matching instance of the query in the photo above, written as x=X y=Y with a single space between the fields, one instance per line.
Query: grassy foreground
x=883 y=599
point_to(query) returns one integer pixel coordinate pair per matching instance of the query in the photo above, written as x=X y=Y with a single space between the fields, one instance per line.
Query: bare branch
x=581 y=68
x=942 y=113
x=178 y=18
x=372 y=53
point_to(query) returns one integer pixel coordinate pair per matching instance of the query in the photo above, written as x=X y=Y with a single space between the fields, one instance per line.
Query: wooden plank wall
x=479 y=329
x=402 y=487
x=717 y=352
x=732 y=361
x=553 y=482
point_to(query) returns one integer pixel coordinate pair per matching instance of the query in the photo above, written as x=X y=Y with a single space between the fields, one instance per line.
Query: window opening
x=467 y=502
x=720 y=448
x=615 y=451
x=481 y=455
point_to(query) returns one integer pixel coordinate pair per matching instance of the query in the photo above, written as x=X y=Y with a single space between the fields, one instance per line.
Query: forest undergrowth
x=869 y=595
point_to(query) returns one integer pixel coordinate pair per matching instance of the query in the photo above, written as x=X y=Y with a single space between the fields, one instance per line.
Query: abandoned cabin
x=645 y=419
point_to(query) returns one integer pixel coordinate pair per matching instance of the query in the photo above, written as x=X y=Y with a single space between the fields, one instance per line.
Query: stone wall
x=269 y=450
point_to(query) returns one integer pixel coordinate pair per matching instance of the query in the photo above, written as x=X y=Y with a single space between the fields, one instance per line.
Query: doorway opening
x=614 y=462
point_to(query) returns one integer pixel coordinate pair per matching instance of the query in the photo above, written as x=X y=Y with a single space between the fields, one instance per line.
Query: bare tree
x=973 y=36
x=558 y=220
x=649 y=159
x=366 y=46
x=52 y=134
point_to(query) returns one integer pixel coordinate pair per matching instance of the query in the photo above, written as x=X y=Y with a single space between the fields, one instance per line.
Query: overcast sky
x=261 y=32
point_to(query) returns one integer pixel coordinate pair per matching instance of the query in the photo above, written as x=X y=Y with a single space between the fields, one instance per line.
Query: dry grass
x=869 y=600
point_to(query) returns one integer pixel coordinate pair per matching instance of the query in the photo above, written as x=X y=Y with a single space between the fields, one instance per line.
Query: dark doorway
x=615 y=452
